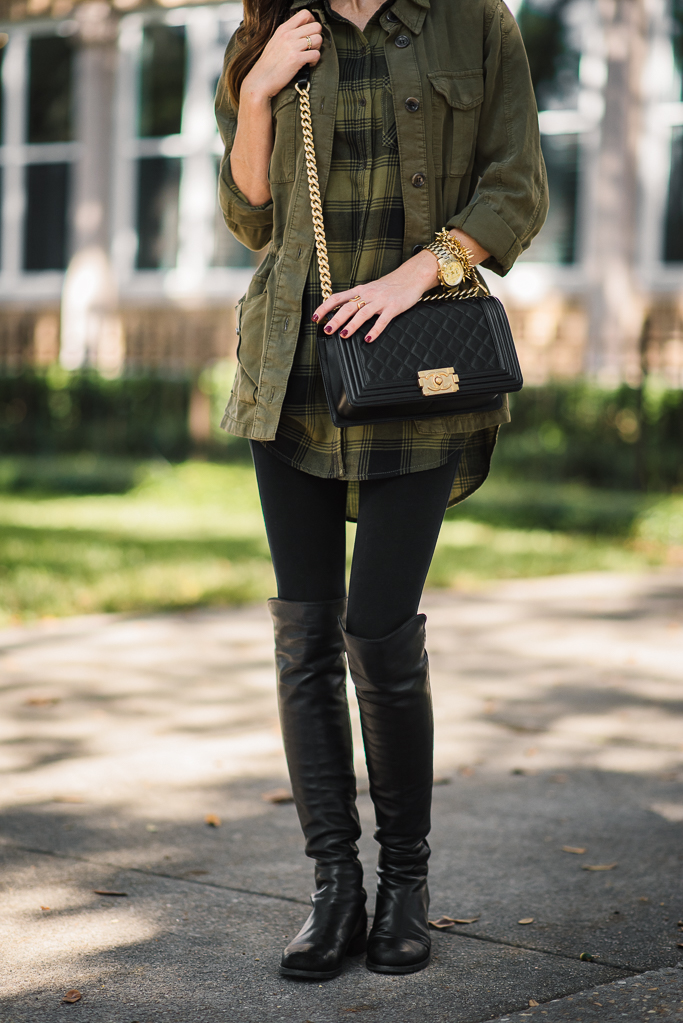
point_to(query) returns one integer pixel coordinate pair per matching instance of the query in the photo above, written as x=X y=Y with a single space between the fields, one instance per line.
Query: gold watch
x=453 y=260
x=449 y=270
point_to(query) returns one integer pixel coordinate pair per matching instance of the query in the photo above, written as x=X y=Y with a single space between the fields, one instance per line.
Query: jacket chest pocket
x=456 y=102
x=283 y=160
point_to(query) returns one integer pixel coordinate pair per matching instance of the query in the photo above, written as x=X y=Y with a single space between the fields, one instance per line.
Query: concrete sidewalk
x=559 y=710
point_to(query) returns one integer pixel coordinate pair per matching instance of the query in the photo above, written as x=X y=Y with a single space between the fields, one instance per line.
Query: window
x=553 y=52
x=673 y=234
x=170 y=234
x=672 y=242
x=553 y=35
x=37 y=154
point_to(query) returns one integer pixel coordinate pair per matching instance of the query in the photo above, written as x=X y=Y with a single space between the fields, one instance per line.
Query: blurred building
x=113 y=253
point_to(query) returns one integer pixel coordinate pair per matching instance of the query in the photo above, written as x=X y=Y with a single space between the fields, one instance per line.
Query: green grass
x=192 y=534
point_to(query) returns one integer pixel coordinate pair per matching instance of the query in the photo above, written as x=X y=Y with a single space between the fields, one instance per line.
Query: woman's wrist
x=423 y=270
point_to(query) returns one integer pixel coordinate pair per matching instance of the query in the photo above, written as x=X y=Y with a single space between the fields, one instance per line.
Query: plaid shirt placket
x=364 y=222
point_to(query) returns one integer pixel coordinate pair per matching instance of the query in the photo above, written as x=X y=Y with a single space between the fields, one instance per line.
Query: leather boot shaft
x=391 y=676
x=316 y=728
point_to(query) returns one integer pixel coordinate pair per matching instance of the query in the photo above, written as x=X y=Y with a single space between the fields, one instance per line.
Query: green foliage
x=192 y=534
x=57 y=412
x=623 y=438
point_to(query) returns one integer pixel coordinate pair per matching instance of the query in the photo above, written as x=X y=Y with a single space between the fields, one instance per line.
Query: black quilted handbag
x=438 y=358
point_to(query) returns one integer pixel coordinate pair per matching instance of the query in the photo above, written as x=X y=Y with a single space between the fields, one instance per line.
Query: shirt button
x=418 y=180
x=362 y=102
x=417 y=248
x=412 y=104
x=402 y=41
x=390 y=16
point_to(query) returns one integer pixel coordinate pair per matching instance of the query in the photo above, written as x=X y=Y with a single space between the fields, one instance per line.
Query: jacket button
x=402 y=41
x=390 y=16
x=418 y=180
x=412 y=104
x=417 y=248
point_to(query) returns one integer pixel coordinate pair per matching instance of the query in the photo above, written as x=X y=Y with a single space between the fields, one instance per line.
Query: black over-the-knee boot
x=392 y=683
x=314 y=713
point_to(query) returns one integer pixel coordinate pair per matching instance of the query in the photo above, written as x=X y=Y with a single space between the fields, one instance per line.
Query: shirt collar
x=411 y=13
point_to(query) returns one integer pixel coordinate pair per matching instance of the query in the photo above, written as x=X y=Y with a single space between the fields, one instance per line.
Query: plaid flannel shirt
x=364 y=223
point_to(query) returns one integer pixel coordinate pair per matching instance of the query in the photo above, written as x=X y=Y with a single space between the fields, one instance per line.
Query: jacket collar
x=411 y=13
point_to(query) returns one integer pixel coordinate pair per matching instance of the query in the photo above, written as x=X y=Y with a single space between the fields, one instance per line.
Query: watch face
x=452 y=273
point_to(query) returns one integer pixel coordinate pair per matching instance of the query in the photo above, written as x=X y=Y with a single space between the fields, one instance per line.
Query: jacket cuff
x=235 y=204
x=492 y=233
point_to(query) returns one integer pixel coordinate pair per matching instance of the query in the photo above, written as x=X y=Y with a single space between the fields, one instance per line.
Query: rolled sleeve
x=251 y=225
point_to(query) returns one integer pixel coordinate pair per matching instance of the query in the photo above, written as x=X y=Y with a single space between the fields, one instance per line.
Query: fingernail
x=315 y=317
x=368 y=337
x=344 y=332
x=328 y=330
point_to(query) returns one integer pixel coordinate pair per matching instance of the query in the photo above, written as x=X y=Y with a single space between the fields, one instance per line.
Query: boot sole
x=414 y=968
x=356 y=948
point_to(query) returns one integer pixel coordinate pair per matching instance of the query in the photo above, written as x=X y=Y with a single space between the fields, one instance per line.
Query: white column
x=91 y=332
x=616 y=300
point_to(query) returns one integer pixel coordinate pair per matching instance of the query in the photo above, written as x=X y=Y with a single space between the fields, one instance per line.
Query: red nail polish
x=368 y=338
x=315 y=317
x=343 y=333
x=328 y=330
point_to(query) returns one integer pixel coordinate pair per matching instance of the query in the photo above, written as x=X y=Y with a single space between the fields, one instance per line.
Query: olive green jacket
x=470 y=157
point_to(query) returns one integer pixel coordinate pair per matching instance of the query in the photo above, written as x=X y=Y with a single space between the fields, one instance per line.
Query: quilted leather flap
x=431 y=335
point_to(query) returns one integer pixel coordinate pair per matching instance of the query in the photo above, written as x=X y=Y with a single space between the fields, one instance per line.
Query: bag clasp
x=438 y=381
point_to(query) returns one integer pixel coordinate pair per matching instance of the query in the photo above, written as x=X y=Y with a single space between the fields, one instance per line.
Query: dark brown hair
x=261 y=18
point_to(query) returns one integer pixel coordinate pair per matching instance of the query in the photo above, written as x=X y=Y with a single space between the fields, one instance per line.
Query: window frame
x=16 y=153
x=197 y=146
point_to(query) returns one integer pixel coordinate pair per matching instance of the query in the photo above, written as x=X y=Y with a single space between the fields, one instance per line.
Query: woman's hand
x=388 y=296
x=285 y=53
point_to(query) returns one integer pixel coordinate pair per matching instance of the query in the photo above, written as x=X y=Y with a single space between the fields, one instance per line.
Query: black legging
x=398 y=525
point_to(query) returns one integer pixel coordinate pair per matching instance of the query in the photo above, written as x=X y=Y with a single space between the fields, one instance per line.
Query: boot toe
x=397 y=955
x=308 y=960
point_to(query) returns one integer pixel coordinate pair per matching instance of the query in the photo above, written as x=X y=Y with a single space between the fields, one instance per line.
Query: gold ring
x=308 y=42
x=360 y=303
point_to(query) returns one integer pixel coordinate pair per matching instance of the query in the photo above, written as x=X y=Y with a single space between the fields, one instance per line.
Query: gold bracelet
x=458 y=251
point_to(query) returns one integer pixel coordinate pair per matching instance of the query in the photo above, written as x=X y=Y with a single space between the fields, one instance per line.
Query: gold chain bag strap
x=353 y=396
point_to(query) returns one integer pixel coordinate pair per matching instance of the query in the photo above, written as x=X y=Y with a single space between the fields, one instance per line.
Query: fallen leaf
x=526 y=920
x=579 y=850
x=532 y=1001
x=151 y=827
x=45 y=908
x=598 y=866
x=470 y=920
x=72 y=996
x=531 y=752
x=68 y=799
x=679 y=944
x=437 y=781
x=41 y=701
x=278 y=796
x=560 y=779
x=466 y=771
x=106 y=891
x=213 y=820
x=442 y=923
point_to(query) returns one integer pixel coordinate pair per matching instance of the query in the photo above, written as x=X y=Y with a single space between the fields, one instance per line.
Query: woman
x=423 y=117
